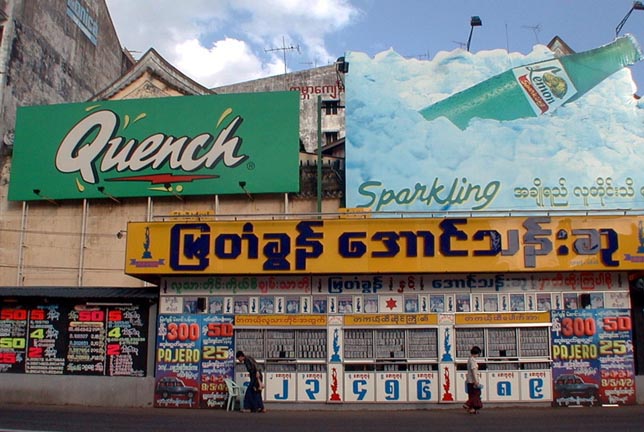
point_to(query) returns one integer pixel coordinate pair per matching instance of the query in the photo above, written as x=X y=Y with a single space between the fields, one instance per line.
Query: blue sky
x=218 y=42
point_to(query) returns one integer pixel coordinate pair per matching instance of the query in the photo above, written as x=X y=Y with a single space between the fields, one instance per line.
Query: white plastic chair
x=234 y=394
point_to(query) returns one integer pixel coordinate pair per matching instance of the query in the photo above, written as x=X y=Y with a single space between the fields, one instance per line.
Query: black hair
x=475 y=350
x=239 y=354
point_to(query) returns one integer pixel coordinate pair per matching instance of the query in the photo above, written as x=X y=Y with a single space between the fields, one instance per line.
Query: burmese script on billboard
x=414 y=245
x=189 y=145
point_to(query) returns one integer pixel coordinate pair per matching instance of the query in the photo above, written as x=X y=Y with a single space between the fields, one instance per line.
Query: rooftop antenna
x=132 y=52
x=284 y=48
x=536 y=29
x=460 y=44
x=425 y=56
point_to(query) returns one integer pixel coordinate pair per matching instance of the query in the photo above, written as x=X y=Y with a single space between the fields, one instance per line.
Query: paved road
x=83 y=419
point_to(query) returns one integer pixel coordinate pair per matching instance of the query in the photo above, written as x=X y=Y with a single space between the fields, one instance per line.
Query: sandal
x=471 y=411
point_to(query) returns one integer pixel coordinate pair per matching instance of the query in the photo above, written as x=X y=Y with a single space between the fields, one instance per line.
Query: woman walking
x=253 y=398
x=473 y=403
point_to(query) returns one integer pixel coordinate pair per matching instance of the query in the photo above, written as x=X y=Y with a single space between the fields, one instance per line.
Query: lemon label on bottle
x=546 y=85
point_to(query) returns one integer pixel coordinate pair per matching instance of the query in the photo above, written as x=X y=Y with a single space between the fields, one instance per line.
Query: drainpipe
x=83 y=238
x=20 y=274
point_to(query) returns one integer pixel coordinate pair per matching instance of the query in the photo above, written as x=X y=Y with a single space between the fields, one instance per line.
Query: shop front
x=63 y=345
x=385 y=311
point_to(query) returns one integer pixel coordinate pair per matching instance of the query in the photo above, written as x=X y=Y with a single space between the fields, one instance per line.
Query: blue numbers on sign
x=536 y=388
x=313 y=388
x=504 y=388
x=423 y=389
x=392 y=390
x=360 y=389
x=284 y=394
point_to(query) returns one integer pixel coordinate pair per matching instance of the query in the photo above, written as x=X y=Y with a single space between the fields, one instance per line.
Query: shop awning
x=85 y=293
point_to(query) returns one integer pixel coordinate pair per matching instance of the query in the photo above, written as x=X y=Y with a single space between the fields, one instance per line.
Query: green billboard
x=187 y=145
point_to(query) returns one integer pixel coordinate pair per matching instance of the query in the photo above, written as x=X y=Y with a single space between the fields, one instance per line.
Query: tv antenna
x=310 y=64
x=421 y=56
x=284 y=48
x=460 y=44
x=536 y=29
x=132 y=52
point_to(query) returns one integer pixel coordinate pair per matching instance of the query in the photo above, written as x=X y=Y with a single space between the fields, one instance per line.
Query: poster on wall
x=56 y=338
x=193 y=357
x=126 y=341
x=13 y=338
x=218 y=359
x=593 y=360
x=494 y=130
x=107 y=340
x=87 y=339
x=46 y=347
x=178 y=361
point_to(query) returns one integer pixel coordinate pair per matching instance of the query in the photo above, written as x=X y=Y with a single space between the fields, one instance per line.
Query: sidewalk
x=454 y=418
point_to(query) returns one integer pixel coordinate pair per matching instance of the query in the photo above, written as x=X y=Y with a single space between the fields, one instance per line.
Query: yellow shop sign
x=375 y=245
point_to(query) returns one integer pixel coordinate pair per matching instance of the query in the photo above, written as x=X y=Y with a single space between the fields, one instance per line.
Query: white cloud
x=305 y=21
x=219 y=42
x=227 y=61
x=160 y=24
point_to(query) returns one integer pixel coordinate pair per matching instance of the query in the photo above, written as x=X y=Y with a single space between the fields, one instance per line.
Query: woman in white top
x=473 y=403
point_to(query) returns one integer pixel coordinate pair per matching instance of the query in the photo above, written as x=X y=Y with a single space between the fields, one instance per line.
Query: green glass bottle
x=538 y=88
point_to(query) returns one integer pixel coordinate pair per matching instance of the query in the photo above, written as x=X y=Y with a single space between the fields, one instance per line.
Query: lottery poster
x=593 y=360
x=178 y=360
x=218 y=359
x=194 y=355
x=56 y=338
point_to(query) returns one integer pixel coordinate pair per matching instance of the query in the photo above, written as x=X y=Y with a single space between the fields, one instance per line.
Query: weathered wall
x=83 y=391
x=53 y=61
x=72 y=244
x=50 y=59
x=323 y=81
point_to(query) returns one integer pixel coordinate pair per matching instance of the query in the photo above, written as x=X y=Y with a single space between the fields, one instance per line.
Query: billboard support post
x=319 y=161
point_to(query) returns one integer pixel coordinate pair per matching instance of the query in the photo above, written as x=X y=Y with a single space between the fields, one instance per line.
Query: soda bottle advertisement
x=593 y=361
x=495 y=130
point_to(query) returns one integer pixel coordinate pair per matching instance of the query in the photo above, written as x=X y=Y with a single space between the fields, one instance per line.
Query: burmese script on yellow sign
x=390 y=319
x=502 y=318
x=280 y=320
x=376 y=245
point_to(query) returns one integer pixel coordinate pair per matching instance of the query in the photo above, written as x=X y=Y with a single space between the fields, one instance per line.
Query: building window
x=330 y=106
x=330 y=137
